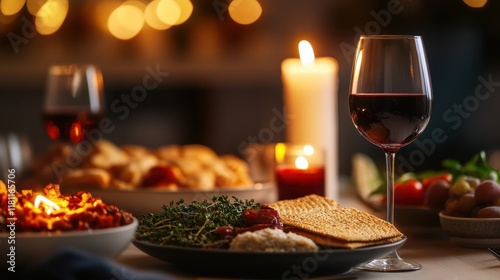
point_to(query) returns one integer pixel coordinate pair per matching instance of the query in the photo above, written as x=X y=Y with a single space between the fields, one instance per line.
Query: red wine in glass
x=390 y=119
x=73 y=103
x=71 y=127
x=390 y=100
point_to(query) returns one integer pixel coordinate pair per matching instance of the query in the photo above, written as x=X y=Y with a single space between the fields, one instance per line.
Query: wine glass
x=74 y=102
x=390 y=105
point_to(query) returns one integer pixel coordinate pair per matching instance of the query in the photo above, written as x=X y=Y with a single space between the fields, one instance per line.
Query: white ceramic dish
x=143 y=201
x=31 y=247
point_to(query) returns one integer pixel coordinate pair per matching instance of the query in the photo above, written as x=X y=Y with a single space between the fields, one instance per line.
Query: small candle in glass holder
x=300 y=171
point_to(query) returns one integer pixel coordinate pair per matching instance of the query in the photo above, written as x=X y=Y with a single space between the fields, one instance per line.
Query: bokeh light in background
x=50 y=16
x=245 y=11
x=101 y=13
x=152 y=19
x=168 y=11
x=34 y=5
x=475 y=3
x=127 y=20
x=122 y=19
x=11 y=7
x=8 y=12
x=186 y=10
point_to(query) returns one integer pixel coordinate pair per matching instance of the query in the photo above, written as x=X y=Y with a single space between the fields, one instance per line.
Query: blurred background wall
x=224 y=87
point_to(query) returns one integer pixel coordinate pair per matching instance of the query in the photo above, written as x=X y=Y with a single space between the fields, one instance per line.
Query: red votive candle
x=294 y=182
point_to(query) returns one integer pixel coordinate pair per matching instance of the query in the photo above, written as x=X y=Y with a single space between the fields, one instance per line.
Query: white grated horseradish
x=272 y=240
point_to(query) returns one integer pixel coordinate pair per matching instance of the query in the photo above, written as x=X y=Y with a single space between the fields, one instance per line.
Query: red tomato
x=409 y=192
x=159 y=176
x=426 y=182
x=249 y=216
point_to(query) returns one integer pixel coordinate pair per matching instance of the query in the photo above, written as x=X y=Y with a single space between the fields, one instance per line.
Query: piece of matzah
x=331 y=242
x=347 y=224
x=324 y=221
x=305 y=204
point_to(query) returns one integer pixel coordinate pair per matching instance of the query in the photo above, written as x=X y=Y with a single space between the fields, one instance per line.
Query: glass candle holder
x=300 y=170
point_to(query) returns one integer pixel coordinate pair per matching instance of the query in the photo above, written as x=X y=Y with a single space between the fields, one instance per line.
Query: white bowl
x=31 y=247
x=149 y=200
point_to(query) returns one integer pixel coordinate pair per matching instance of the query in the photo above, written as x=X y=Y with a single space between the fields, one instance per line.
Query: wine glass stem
x=389 y=161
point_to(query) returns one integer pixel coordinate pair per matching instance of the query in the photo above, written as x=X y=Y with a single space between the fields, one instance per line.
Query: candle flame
x=306 y=53
x=308 y=150
x=301 y=163
x=279 y=152
x=49 y=204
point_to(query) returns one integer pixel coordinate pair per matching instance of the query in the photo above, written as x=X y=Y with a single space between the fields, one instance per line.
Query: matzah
x=305 y=204
x=331 y=242
x=325 y=222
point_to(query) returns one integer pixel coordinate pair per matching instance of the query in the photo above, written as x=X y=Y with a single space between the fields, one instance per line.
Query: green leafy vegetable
x=477 y=167
x=193 y=224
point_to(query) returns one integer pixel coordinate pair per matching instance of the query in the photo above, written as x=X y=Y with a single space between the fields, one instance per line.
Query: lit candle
x=299 y=172
x=310 y=99
x=49 y=204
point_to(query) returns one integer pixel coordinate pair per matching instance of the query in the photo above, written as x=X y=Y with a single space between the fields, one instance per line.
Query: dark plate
x=300 y=265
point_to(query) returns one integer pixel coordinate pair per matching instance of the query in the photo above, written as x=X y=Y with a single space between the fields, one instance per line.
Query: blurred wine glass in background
x=16 y=155
x=73 y=103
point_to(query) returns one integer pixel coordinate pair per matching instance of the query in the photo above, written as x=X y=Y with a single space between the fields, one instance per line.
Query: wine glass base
x=388 y=264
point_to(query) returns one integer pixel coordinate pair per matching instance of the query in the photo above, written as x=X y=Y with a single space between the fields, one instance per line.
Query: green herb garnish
x=193 y=224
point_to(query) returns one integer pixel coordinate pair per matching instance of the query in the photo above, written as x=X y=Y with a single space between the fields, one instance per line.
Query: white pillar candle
x=310 y=102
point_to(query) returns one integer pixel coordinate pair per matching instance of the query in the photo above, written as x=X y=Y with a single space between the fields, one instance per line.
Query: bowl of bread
x=141 y=179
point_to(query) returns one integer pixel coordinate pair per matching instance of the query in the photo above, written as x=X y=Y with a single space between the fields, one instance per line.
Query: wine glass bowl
x=390 y=120
x=73 y=103
x=390 y=102
x=390 y=98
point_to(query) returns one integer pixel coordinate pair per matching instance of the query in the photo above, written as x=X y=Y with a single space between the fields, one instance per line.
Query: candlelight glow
x=76 y=133
x=186 y=8
x=101 y=12
x=168 y=11
x=11 y=7
x=308 y=150
x=245 y=11
x=279 y=152
x=49 y=204
x=127 y=20
x=306 y=53
x=136 y=3
x=50 y=210
x=151 y=16
x=301 y=163
x=475 y=3
x=52 y=130
x=51 y=16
